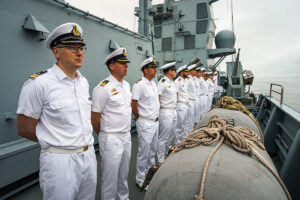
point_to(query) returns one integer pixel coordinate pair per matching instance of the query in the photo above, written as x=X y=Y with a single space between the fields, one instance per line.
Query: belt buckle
x=85 y=148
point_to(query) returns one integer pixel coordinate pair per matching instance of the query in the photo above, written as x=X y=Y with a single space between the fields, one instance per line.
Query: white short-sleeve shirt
x=202 y=85
x=210 y=85
x=112 y=99
x=183 y=94
x=168 y=92
x=191 y=86
x=145 y=92
x=62 y=106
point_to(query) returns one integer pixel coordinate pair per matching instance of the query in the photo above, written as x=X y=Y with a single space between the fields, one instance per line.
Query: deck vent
x=189 y=42
x=167 y=44
x=202 y=11
x=201 y=26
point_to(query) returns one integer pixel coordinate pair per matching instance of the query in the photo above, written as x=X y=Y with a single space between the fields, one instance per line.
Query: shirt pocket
x=63 y=111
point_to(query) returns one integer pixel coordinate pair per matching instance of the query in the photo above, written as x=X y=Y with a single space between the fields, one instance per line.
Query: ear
x=111 y=67
x=55 y=51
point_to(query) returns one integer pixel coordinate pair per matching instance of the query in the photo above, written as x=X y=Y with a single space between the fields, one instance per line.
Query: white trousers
x=197 y=109
x=167 y=125
x=205 y=104
x=68 y=176
x=209 y=100
x=190 y=118
x=148 y=140
x=115 y=152
x=202 y=105
x=181 y=110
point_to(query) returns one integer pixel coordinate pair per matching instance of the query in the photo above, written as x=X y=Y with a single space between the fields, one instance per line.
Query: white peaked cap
x=71 y=30
x=181 y=69
x=192 y=67
x=148 y=61
x=169 y=65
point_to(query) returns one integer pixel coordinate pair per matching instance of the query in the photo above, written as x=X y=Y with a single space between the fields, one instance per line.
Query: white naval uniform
x=211 y=88
x=63 y=108
x=203 y=99
x=190 y=114
x=145 y=92
x=112 y=99
x=197 y=100
x=181 y=108
x=167 y=116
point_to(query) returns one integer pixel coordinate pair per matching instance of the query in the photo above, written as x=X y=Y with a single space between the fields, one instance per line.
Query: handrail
x=280 y=93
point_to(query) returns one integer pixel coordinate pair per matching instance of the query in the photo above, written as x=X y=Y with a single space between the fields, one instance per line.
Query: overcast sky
x=267 y=31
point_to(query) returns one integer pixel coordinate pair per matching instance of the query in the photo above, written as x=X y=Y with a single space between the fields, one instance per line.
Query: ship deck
x=34 y=192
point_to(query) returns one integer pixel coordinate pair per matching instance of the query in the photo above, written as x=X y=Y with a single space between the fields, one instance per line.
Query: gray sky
x=267 y=31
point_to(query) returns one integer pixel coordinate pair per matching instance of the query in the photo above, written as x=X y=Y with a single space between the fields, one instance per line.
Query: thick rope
x=232 y=104
x=241 y=139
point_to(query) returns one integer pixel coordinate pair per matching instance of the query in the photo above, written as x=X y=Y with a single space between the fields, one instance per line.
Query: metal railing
x=280 y=93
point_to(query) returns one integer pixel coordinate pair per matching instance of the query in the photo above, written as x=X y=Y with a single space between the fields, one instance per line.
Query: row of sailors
x=55 y=110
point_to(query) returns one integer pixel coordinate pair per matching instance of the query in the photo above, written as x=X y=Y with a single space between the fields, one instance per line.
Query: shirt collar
x=167 y=78
x=114 y=80
x=61 y=75
x=146 y=80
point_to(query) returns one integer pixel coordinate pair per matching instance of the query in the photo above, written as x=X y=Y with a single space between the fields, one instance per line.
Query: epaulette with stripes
x=138 y=80
x=179 y=79
x=103 y=83
x=33 y=76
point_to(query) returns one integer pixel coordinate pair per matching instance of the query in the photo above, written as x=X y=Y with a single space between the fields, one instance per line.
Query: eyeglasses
x=73 y=49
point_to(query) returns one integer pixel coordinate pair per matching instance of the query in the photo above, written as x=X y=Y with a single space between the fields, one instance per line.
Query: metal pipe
x=280 y=93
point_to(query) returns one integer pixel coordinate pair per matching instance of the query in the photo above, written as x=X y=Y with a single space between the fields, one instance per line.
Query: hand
x=135 y=117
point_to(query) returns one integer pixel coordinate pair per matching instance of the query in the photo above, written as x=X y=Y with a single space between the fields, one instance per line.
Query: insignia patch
x=114 y=90
x=116 y=93
x=33 y=76
x=154 y=61
x=163 y=80
x=103 y=83
x=169 y=86
x=179 y=79
x=138 y=80
x=124 y=53
x=75 y=31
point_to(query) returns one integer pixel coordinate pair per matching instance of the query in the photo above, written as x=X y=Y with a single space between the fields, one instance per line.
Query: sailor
x=190 y=114
x=145 y=108
x=182 y=103
x=203 y=92
x=111 y=119
x=167 y=115
x=54 y=110
x=198 y=102
x=211 y=89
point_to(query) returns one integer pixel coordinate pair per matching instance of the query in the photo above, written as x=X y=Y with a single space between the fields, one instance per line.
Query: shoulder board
x=33 y=76
x=179 y=79
x=103 y=83
x=138 y=80
x=163 y=80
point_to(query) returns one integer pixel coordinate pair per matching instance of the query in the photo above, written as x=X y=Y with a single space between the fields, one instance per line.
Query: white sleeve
x=31 y=99
x=136 y=92
x=160 y=88
x=99 y=99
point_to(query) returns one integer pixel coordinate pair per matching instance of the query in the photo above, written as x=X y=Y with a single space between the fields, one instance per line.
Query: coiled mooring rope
x=232 y=104
x=241 y=139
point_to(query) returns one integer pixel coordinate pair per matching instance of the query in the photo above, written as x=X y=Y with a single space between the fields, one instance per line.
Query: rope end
x=197 y=197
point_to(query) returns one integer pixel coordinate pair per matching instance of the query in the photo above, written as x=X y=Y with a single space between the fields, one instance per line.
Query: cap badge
x=75 y=31
x=154 y=61
x=124 y=53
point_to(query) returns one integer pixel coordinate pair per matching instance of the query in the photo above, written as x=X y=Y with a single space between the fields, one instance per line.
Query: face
x=193 y=72
x=69 y=56
x=185 y=74
x=150 y=72
x=119 y=69
x=198 y=74
x=172 y=73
